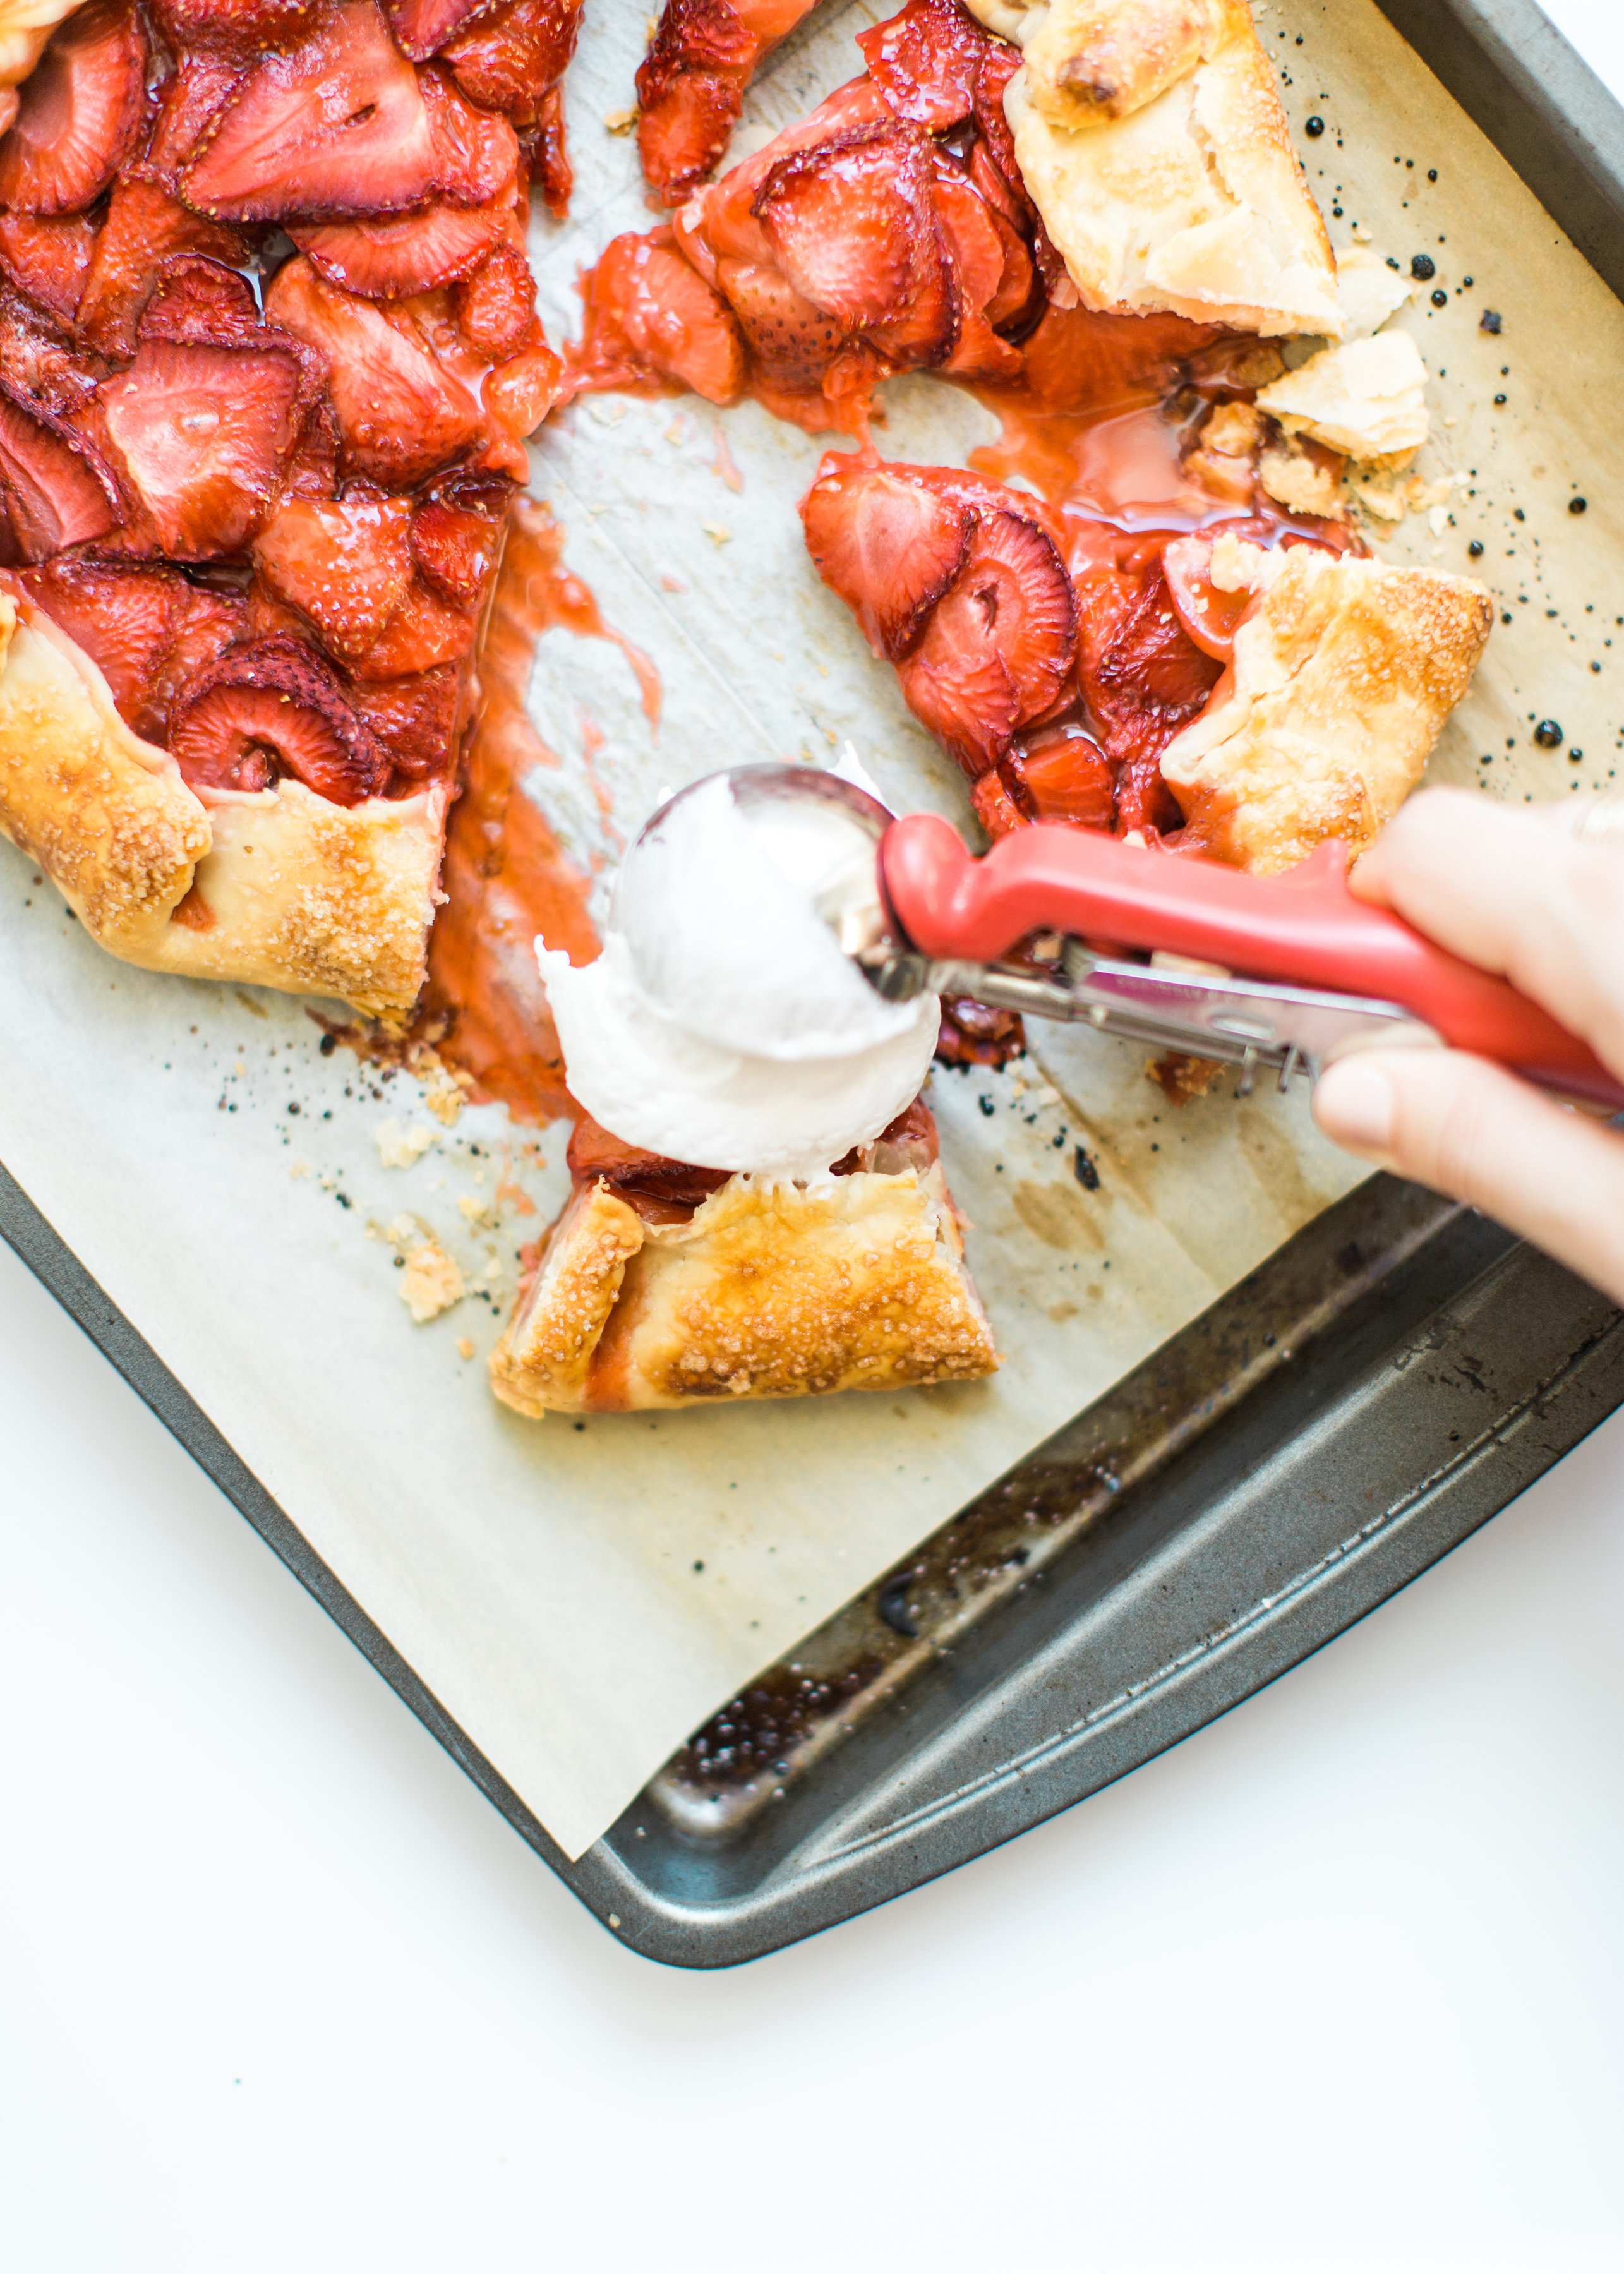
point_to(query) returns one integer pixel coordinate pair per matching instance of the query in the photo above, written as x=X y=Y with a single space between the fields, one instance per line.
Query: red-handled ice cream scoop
x=1304 y=930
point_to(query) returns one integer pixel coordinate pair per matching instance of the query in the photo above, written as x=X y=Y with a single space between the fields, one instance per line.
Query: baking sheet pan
x=607 y=1887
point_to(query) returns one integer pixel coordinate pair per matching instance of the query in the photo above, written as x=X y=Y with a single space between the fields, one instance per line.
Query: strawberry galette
x=268 y=352
x=663 y=1284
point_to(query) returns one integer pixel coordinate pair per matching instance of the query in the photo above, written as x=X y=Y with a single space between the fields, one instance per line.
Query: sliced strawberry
x=995 y=808
x=999 y=645
x=80 y=112
x=1143 y=678
x=49 y=259
x=54 y=493
x=855 y=232
x=1062 y=774
x=517 y=396
x=977 y=254
x=147 y=628
x=475 y=152
x=144 y=227
x=456 y=548
x=795 y=342
x=272 y=707
x=337 y=125
x=199 y=436
x=390 y=256
x=244 y=27
x=195 y=93
x=346 y=562
x=425 y=631
x=422 y=26
x=419 y=720
x=202 y=302
x=651 y=315
x=968 y=700
x=550 y=169
x=926 y=62
x=495 y=307
x=400 y=414
x=972 y=1034
x=1210 y=616
x=690 y=93
x=125 y=620
x=511 y=57
x=38 y=368
x=889 y=546
x=209 y=622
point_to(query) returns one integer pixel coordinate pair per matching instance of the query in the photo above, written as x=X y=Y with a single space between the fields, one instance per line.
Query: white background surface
x=1335 y=1985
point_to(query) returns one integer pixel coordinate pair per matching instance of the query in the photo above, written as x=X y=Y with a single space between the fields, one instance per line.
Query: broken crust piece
x=1151 y=138
x=769 y=1290
x=1343 y=675
x=1366 y=399
x=278 y=888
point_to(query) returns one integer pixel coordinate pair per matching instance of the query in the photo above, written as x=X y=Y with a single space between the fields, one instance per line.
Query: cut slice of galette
x=663 y=1286
x=1249 y=689
x=268 y=353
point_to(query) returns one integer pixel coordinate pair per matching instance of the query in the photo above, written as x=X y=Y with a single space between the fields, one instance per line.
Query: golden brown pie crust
x=283 y=889
x=771 y=1291
x=1344 y=674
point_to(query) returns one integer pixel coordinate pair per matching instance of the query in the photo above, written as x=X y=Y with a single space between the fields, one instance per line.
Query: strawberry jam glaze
x=506 y=877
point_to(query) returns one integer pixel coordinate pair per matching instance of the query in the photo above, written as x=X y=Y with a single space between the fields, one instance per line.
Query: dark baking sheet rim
x=679 y=1900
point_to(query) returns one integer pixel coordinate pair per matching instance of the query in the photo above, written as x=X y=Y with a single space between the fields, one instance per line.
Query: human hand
x=1538 y=897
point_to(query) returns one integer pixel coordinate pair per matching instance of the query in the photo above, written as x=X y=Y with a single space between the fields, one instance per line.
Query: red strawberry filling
x=650 y=314
x=200 y=435
x=888 y=546
x=457 y=548
x=80 y=112
x=342 y=124
x=144 y=228
x=53 y=490
x=147 y=628
x=346 y=562
x=928 y=62
x=495 y=307
x=421 y=27
x=856 y=234
x=690 y=91
x=48 y=258
x=389 y=256
x=271 y=708
x=401 y=413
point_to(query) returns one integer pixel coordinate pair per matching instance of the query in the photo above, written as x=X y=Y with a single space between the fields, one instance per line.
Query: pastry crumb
x=465 y=1346
x=431 y=1283
x=476 y=1211
x=621 y=122
x=718 y=532
x=399 y=1148
x=300 y=1169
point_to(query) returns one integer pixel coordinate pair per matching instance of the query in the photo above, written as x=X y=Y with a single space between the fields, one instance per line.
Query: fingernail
x=1356 y=1105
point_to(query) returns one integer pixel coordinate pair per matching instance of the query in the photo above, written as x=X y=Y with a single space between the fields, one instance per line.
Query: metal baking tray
x=1376 y=1391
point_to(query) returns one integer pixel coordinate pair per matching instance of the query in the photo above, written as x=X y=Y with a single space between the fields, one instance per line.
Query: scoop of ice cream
x=722 y=1023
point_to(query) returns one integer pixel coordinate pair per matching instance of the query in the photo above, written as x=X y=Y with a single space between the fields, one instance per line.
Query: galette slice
x=663 y=1286
x=1248 y=689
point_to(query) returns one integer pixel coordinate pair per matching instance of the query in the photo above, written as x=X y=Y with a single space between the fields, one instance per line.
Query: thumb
x=1470 y=1129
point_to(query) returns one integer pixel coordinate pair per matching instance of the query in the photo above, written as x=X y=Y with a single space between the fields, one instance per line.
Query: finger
x=1464 y=1128
x=1516 y=892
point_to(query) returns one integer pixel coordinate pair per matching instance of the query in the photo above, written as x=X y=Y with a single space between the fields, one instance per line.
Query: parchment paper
x=581 y=1596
